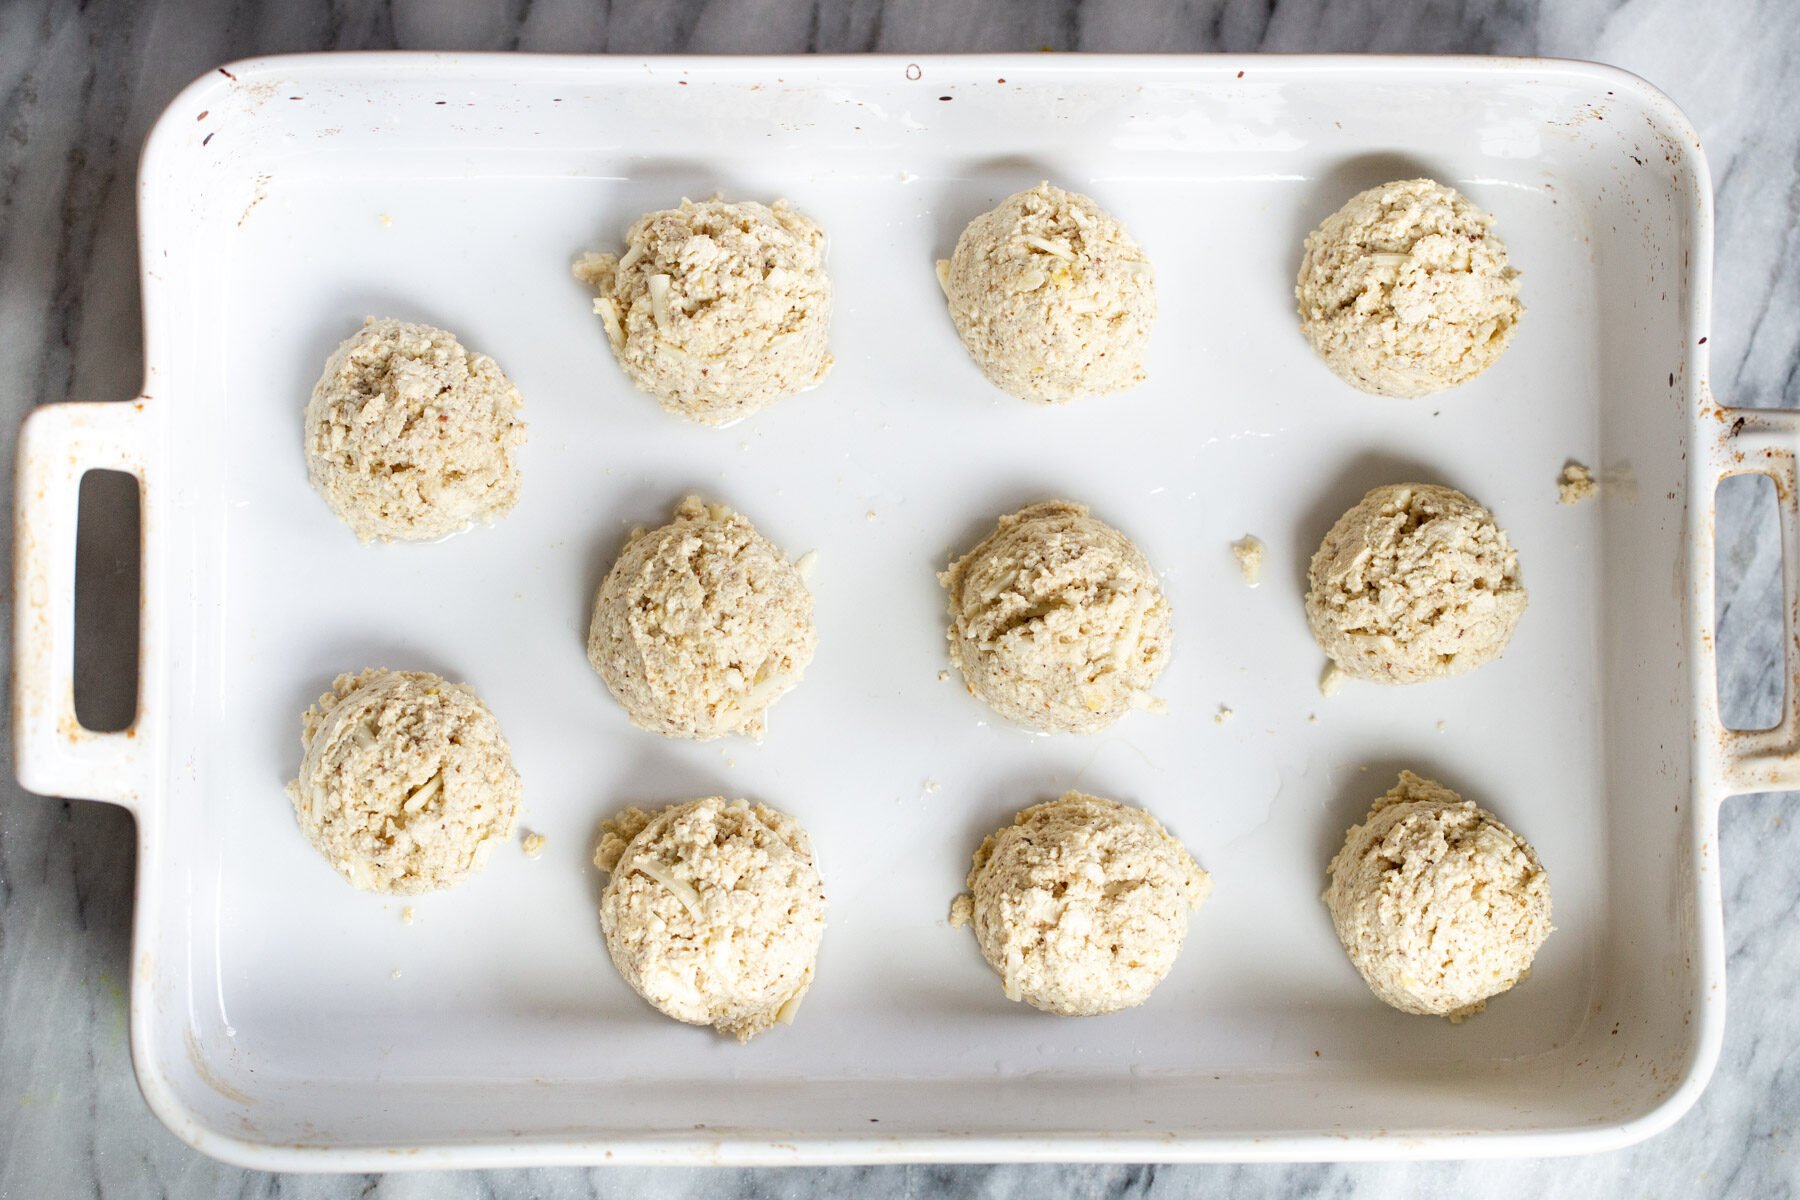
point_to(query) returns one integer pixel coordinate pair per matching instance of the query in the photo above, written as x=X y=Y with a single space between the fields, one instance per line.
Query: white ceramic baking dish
x=279 y=1018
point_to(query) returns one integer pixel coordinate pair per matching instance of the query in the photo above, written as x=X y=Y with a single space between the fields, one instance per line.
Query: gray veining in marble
x=79 y=87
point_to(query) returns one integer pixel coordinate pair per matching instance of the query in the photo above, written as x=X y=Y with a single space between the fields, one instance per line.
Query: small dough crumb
x=1576 y=484
x=1312 y=718
x=932 y=785
x=1331 y=678
x=406 y=915
x=943 y=677
x=395 y=974
x=532 y=844
x=1249 y=551
x=1223 y=715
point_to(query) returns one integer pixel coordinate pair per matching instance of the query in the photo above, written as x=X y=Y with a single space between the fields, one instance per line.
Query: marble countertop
x=79 y=88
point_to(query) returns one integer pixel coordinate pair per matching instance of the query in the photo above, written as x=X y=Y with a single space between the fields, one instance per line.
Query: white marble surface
x=79 y=88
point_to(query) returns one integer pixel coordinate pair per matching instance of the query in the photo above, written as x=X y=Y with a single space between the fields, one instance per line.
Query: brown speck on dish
x=913 y=71
x=228 y=74
x=204 y=113
x=946 y=97
x=1703 y=341
x=1240 y=76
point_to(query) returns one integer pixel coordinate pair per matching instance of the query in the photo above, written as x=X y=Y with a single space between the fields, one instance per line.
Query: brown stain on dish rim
x=208 y=1076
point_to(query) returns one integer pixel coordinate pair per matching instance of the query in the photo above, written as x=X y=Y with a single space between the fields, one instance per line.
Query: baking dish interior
x=278 y=1012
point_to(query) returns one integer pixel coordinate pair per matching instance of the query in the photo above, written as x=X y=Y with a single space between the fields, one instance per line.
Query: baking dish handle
x=1766 y=442
x=53 y=753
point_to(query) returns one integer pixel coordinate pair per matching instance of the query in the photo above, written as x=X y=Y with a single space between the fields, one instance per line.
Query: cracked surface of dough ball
x=1057 y=620
x=717 y=309
x=1052 y=298
x=701 y=625
x=1406 y=290
x=1081 y=904
x=1439 y=906
x=406 y=784
x=1414 y=583
x=713 y=912
x=410 y=437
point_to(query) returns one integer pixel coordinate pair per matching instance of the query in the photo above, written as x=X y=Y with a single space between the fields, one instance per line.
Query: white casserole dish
x=282 y=1020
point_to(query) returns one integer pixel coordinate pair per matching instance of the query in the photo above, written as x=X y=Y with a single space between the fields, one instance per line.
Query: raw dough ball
x=1052 y=297
x=410 y=437
x=406 y=784
x=718 y=310
x=1438 y=904
x=1416 y=582
x=701 y=625
x=1057 y=620
x=1081 y=904
x=714 y=911
x=1406 y=291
